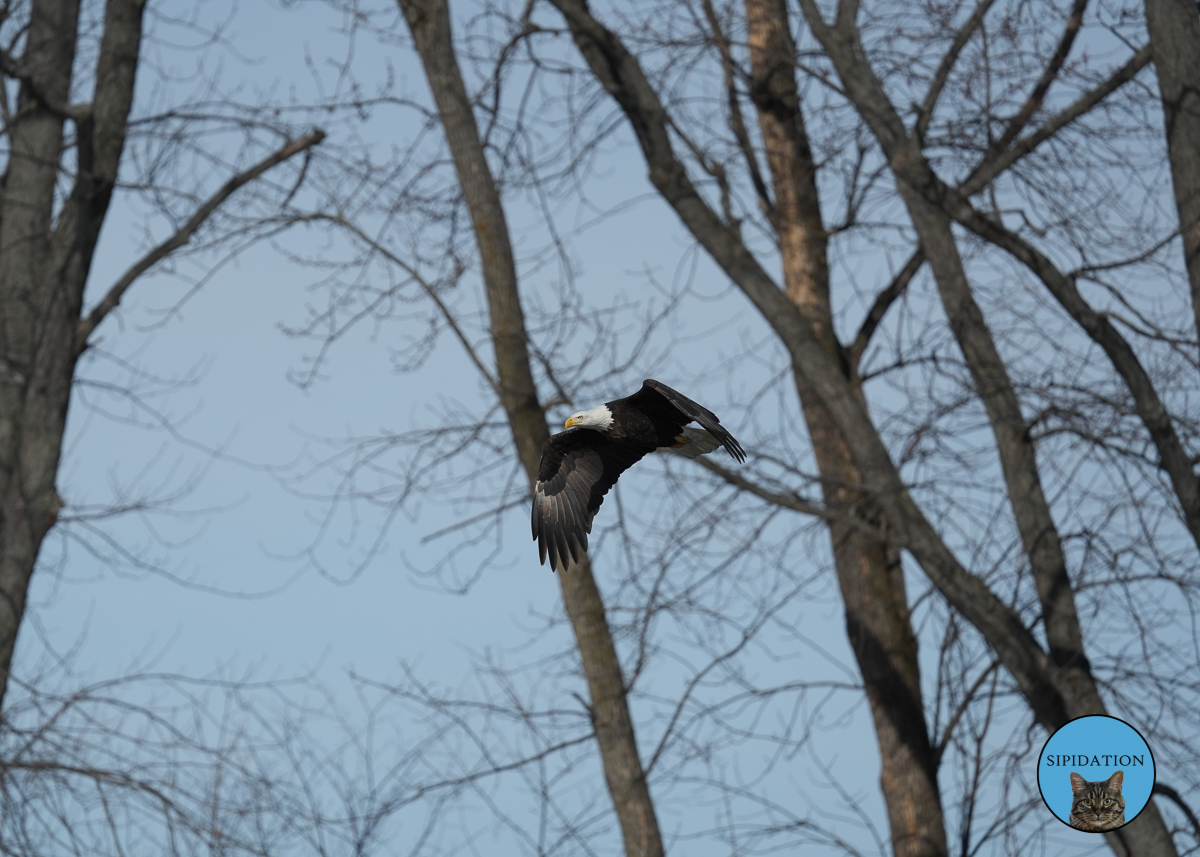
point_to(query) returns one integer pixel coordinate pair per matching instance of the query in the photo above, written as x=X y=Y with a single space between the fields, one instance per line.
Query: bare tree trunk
x=1039 y=535
x=880 y=631
x=869 y=573
x=1174 y=27
x=43 y=269
x=429 y=21
x=1069 y=674
x=45 y=261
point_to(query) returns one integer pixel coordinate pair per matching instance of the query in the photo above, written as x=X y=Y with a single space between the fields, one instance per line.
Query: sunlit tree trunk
x=869 y=573
x=429 y=21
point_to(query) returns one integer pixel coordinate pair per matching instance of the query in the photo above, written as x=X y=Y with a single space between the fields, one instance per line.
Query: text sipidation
x=1064 y=761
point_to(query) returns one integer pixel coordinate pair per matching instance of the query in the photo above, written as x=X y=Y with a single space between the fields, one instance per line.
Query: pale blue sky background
x=251 y=604
x=242 y=535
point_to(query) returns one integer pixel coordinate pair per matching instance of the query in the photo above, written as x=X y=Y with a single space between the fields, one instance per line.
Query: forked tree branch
x=184 y=234
x=1038 y=95
x=990 y=167
x=1174 y=458
x=883 y=302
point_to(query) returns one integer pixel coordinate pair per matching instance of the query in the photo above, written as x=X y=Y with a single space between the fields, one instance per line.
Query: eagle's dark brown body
x=581 y=464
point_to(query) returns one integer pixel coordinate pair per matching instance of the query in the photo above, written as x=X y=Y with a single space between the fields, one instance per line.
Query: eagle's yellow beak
x=571 y=422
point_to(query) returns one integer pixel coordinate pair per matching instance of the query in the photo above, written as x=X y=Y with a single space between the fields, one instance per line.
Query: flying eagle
x=580 y=464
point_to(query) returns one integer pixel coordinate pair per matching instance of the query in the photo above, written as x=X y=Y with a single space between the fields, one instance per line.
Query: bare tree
x=1025 y=560
x=82 y=768
x=998 y=413
x=429 y=22
x=47 y=240
x=1056 y=679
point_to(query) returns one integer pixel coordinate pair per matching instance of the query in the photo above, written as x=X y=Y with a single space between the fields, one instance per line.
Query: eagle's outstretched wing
x=578 y=467
x=655 y=390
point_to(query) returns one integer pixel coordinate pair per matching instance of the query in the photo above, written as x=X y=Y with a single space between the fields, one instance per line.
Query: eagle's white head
x=599 y=418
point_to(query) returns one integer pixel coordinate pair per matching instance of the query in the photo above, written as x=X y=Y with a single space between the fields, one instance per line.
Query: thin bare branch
x=184 y=233
x=946 y=65
x=883 y=302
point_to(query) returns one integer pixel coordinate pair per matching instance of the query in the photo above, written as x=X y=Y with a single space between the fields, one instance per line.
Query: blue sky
x=228 y=590
x=220 y=587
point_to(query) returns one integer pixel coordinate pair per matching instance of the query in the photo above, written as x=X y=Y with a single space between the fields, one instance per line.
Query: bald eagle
x=580 y=464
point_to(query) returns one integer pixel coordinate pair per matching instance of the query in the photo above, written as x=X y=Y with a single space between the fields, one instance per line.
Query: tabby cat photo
x=1097 y=806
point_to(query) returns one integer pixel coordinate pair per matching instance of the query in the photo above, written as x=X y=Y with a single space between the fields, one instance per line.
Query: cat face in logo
x=1097 y=806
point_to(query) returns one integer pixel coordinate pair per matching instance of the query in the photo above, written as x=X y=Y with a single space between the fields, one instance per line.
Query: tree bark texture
x=44 y=263
x=1174 y=27
x=429 y=22
x=868 y=570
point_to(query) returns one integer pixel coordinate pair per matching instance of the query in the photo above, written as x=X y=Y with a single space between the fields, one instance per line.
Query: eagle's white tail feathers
x=693 y=442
